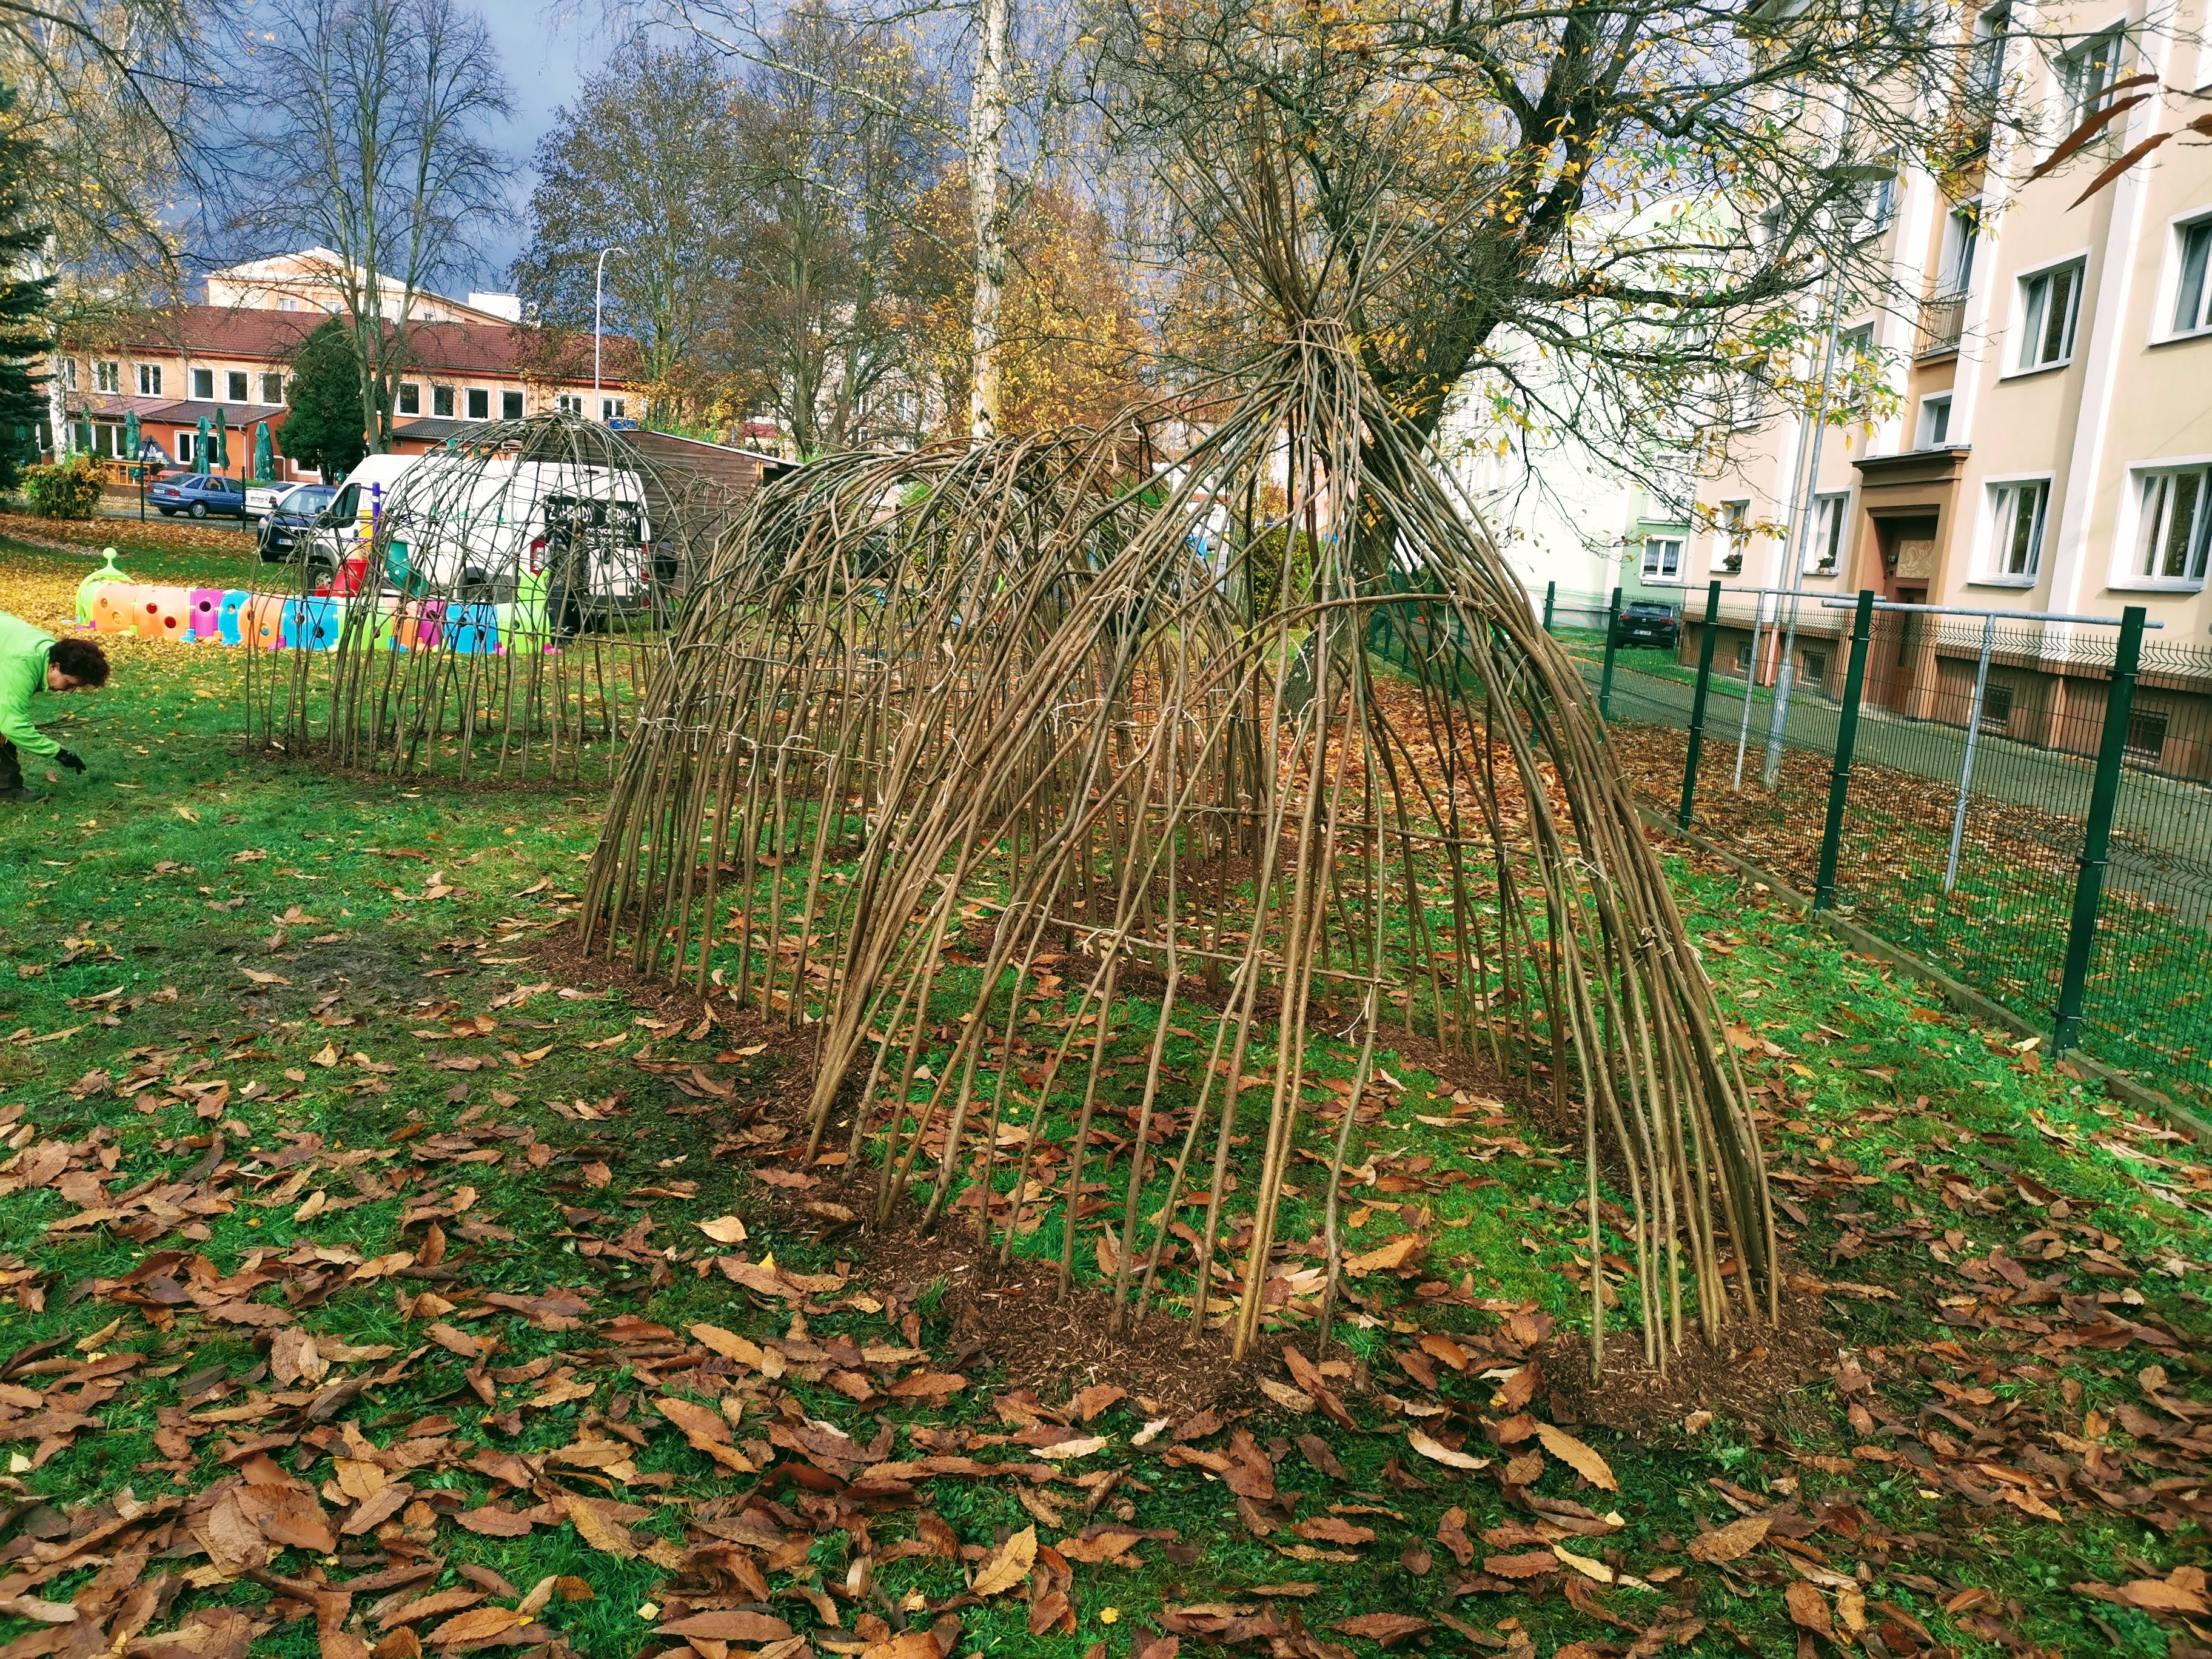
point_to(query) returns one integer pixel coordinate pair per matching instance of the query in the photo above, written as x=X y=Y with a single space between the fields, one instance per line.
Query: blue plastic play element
x=310 y=625
x=472 y=630
x=227 y=619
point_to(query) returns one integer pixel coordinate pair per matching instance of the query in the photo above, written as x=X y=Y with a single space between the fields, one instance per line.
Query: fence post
x=1551 y=594
x=1698 y=704
x=1612 y=634
x=2097 y=835
x=1847 y=738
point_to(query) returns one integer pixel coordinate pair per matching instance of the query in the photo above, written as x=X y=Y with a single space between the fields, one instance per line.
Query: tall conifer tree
x=26 y=329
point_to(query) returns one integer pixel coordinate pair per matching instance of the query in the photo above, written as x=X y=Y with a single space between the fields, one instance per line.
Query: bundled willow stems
x=484 y=611
x=1000 y=768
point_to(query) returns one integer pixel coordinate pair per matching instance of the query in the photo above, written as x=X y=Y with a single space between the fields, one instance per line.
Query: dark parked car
x=1647 y=622
x=296 y=512
x=201 y=494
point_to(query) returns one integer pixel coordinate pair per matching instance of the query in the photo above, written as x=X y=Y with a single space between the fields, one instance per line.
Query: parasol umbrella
x=200 y=447
x=84 y=428
x=222 y=439
x=133 y=440
x=265 y=454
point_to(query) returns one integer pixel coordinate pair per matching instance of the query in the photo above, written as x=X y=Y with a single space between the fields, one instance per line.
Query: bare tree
x=363 y=130
x=110 y=90
x=1611 y=214
x=647 y=159
x=839 y=147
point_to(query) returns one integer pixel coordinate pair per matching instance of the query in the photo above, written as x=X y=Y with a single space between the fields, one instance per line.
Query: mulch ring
x=1012 y=1314
x=1748 y=1376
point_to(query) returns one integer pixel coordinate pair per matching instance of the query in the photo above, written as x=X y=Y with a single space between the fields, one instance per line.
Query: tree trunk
x=986 y=129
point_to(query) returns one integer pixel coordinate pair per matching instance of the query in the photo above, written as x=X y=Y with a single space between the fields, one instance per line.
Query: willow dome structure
x=985 y=764
x=487 y=611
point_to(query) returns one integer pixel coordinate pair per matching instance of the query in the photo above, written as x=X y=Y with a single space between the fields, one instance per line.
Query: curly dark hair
x=81 y=660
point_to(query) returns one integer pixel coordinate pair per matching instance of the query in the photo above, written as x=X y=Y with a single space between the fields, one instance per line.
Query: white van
x=468 y=527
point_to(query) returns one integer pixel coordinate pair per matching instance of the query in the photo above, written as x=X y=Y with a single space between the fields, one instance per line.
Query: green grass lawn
x=333 y=1172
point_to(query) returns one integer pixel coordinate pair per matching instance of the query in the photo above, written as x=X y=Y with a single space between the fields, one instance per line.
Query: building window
x=1743 y=657
x=410 y=397
x=107 y=377
x=2147 y=736
x=441 y=402
x=272 y=388
x=1935 y=420
x=204 y=385
x=185 y=447
x=2050 y=302
x=235 y=392
x=613 y=408
x=2173 y=525
x=479 y=403
x=149 y=380
x=1816 y=667
x=1996 y=709
x=2087 y=74
x=1827 y=543
x=69 y=374
x=2191 y=311
x=1663 y=558
x=2016 y=538
x=1735 y=534
x=1961 y=231
x=1985 y=66
x=288 y=303
x=571 y=403
x=510 y=405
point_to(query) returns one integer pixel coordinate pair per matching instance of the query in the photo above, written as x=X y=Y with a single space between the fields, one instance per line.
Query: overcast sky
x=547 y=58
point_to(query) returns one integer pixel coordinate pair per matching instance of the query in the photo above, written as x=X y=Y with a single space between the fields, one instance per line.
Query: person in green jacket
x=32 y=662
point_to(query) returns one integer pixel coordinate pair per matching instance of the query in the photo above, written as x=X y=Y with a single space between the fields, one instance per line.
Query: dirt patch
x=1055 y=1346
x=1749 y=1376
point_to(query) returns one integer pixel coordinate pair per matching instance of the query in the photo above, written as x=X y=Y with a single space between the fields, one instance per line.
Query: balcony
x=1943 y=318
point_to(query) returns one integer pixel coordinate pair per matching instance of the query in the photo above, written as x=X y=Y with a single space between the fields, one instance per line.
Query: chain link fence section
x=1971 y=794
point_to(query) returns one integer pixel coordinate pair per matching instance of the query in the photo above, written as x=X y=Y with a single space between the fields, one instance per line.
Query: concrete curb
x=1962 y=998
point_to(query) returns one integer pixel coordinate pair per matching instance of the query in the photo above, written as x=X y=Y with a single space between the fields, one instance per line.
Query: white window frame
x=69 y=374
x=149 y=380
x=1827 y=529
x=2078 y=109
x=474 y=392
x=272 y=387
x=107 y=376
x=2165 y=321
x=1662 y=574
x=1923 y=432
x=572 y=403
x=184 y=441
x=2128 y=574
x=2023 y=304
x=1734 y=533
x=242 y=381
x=1996 y=523
x=442 y=394
x=198 y=376
x=410 y=397
x=519 y=405
x=614 y=409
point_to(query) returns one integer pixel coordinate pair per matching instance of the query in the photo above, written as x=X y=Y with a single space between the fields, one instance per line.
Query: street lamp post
x=598 y=300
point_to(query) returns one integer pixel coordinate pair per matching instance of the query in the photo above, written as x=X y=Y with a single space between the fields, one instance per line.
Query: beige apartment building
x=2051 y=451
x=230 y=357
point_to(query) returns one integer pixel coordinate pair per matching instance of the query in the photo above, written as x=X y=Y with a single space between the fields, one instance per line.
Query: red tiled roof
x=488 y=350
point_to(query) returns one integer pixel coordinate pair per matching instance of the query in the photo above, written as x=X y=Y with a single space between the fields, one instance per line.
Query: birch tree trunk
x=986 y=129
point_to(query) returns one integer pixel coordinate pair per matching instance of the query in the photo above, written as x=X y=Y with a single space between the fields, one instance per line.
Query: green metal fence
x=2027 y=801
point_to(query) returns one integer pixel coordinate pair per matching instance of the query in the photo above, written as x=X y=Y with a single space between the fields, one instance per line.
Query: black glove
x=70 y=758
